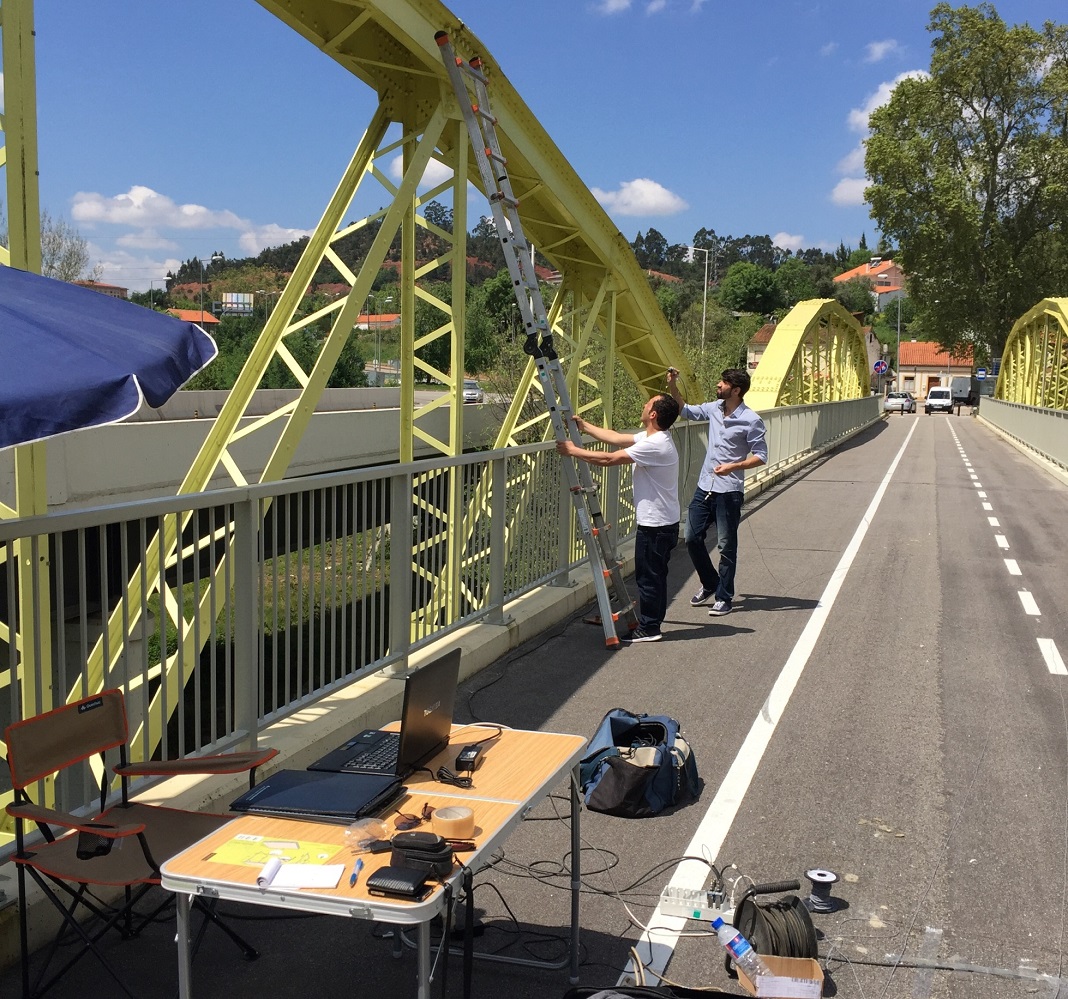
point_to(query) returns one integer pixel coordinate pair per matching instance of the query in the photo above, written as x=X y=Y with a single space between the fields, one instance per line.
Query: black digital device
x=467 y=759
x=398 y=882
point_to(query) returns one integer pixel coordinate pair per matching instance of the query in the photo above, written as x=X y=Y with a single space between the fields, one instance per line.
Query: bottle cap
x=717 y=922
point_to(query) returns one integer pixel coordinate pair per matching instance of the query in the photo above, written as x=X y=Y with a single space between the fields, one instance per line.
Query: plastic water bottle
x=741 y=950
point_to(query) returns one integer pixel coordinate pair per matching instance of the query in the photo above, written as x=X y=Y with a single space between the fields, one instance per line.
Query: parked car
x=939 y=400
x=899 y=402
x=473 y=391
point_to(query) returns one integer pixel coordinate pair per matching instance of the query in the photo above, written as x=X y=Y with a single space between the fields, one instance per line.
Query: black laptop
x=299 y=794
x=426 y=719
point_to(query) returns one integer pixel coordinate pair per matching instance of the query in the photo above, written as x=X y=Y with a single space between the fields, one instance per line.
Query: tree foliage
x=750 y=288
x=969 y=169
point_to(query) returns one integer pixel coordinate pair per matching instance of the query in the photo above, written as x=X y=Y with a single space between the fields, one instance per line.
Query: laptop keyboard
x=381 y=756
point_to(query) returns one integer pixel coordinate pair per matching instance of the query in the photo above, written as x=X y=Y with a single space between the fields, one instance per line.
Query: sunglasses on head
x=404 y=820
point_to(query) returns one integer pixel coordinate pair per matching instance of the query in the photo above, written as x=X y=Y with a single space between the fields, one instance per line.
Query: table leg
x=183 y=904
x=423 y=959
x=576 y=875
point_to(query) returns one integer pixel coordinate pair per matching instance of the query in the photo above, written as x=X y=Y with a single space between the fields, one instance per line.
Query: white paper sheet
x=276 y=874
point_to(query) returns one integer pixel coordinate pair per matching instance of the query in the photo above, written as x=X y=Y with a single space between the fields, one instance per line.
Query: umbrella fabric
x=72 y=358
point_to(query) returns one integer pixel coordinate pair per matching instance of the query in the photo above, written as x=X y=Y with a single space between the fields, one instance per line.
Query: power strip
x=692 y=903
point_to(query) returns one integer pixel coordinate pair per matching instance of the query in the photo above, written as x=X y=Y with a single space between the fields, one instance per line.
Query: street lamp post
x=704 y=303
x=378 y=341
x=897 y=355
x=214 y=258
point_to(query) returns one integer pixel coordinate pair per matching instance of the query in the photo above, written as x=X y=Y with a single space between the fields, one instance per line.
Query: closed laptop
x=327 y=797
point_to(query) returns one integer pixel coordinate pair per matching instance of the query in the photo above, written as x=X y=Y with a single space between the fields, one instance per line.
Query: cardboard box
x=793 y=978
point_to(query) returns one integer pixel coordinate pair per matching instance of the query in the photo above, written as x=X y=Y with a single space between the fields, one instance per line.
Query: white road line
x=655 y=946
x=988 y=506
x=981 y=495
x=1054 y=662
x=1028 y=602
x=1013 y=567
x=1002 y=542
x=978 y=485
x=993 y=521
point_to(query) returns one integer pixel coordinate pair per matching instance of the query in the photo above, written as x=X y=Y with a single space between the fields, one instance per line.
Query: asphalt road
x=892 y=599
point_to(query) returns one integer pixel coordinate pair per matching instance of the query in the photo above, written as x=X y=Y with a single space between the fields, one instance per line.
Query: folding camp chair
x=121 y=846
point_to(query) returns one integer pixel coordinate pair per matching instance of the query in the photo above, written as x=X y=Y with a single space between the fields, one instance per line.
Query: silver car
x=473 y=391
x=899 y=402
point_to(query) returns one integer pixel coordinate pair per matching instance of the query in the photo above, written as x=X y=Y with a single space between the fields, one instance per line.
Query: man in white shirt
x=656 y=499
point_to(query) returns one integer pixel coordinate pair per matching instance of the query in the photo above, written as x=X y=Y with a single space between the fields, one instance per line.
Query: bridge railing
x=1044 y=431
x=299 y=584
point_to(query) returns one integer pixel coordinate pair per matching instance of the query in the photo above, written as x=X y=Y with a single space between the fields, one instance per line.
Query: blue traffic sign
x=880 y=367
x=980 y=374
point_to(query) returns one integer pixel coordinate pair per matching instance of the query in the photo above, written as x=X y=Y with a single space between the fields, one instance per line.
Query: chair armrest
x=50 y=816
x=223 y=763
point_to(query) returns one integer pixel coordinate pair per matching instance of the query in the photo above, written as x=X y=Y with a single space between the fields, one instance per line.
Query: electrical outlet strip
x=692 y=903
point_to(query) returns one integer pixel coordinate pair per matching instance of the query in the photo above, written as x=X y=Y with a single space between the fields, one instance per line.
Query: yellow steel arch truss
x=1034 y=364
x=817 y=354
x=389 y=45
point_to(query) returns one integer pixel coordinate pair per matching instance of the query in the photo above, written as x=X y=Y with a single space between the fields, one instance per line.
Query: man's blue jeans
x=724 y=511
x=652 y=552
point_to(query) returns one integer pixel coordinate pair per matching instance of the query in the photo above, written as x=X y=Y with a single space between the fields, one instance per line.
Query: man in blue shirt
x=735 y=442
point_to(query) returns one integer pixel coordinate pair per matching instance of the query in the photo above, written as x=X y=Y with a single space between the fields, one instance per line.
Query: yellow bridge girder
x=1034 y=364
x=816 y=354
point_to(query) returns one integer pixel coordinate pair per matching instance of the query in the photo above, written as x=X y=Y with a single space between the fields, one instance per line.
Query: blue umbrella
x=72 y=358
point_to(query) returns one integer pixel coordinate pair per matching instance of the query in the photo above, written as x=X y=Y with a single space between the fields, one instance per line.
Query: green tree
x=795 y=281
x=969 y=168
x=750 y=288
x=855 y=295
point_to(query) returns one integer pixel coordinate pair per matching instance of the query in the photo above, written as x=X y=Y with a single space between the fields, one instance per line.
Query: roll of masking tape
x=453 y=822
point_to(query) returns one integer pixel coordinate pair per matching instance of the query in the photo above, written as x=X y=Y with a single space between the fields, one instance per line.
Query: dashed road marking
x=1001 y=540
x=1029 y=604
x=1013 y=567
x=1052 y=655
x=993 y=521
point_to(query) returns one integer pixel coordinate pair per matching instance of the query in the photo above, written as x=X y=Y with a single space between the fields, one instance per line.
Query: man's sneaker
x=637 y=635
x=702 y=596
x=719 y=608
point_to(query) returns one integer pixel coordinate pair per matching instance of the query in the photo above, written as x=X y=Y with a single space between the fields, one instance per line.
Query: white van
x=939 y=400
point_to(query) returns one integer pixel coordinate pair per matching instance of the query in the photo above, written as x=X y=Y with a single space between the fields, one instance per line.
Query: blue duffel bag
x=637 y=765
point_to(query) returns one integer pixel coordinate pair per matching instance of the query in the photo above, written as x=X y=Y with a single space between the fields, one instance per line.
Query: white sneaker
x=719 y=608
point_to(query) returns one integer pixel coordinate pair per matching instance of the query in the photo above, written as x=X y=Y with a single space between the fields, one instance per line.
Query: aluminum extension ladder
x=481 y=127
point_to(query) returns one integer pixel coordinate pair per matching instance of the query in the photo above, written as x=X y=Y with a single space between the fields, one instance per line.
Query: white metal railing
x=301 y=587
x=1044 y=431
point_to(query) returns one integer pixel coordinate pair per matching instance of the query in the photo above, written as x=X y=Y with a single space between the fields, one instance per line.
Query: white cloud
x=858 y=117
x=829 y=49
x=640 y=197
x=849 y=192
x=435 y=173
x=655 y=6
x=612 y=6
x=788 y=241
x=853 y=161
x=141 y=206
x=878 y=51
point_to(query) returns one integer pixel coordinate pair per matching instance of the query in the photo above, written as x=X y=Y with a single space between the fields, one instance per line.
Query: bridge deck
x=920 y=755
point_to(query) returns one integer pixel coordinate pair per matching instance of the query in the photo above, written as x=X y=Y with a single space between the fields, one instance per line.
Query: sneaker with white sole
x=702 y=596
x=638 y=635
x=719 y=608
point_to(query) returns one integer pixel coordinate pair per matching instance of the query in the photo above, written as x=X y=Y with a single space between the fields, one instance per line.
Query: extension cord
x=691 y=903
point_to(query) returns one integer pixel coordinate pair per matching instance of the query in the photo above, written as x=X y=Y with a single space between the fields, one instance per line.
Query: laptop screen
x=426 y=718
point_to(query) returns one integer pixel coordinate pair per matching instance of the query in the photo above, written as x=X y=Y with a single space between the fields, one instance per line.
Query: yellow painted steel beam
x=1034 y=364
x=816 y=354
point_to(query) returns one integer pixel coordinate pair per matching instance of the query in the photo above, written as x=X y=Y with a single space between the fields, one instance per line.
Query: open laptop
x=426 y=719
x=299 y=794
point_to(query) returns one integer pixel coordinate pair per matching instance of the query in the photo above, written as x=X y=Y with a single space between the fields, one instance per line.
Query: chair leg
x=208 y=908
x=89 y=941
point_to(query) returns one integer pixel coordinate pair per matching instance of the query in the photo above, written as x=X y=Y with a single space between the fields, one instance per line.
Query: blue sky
x=168 y=131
